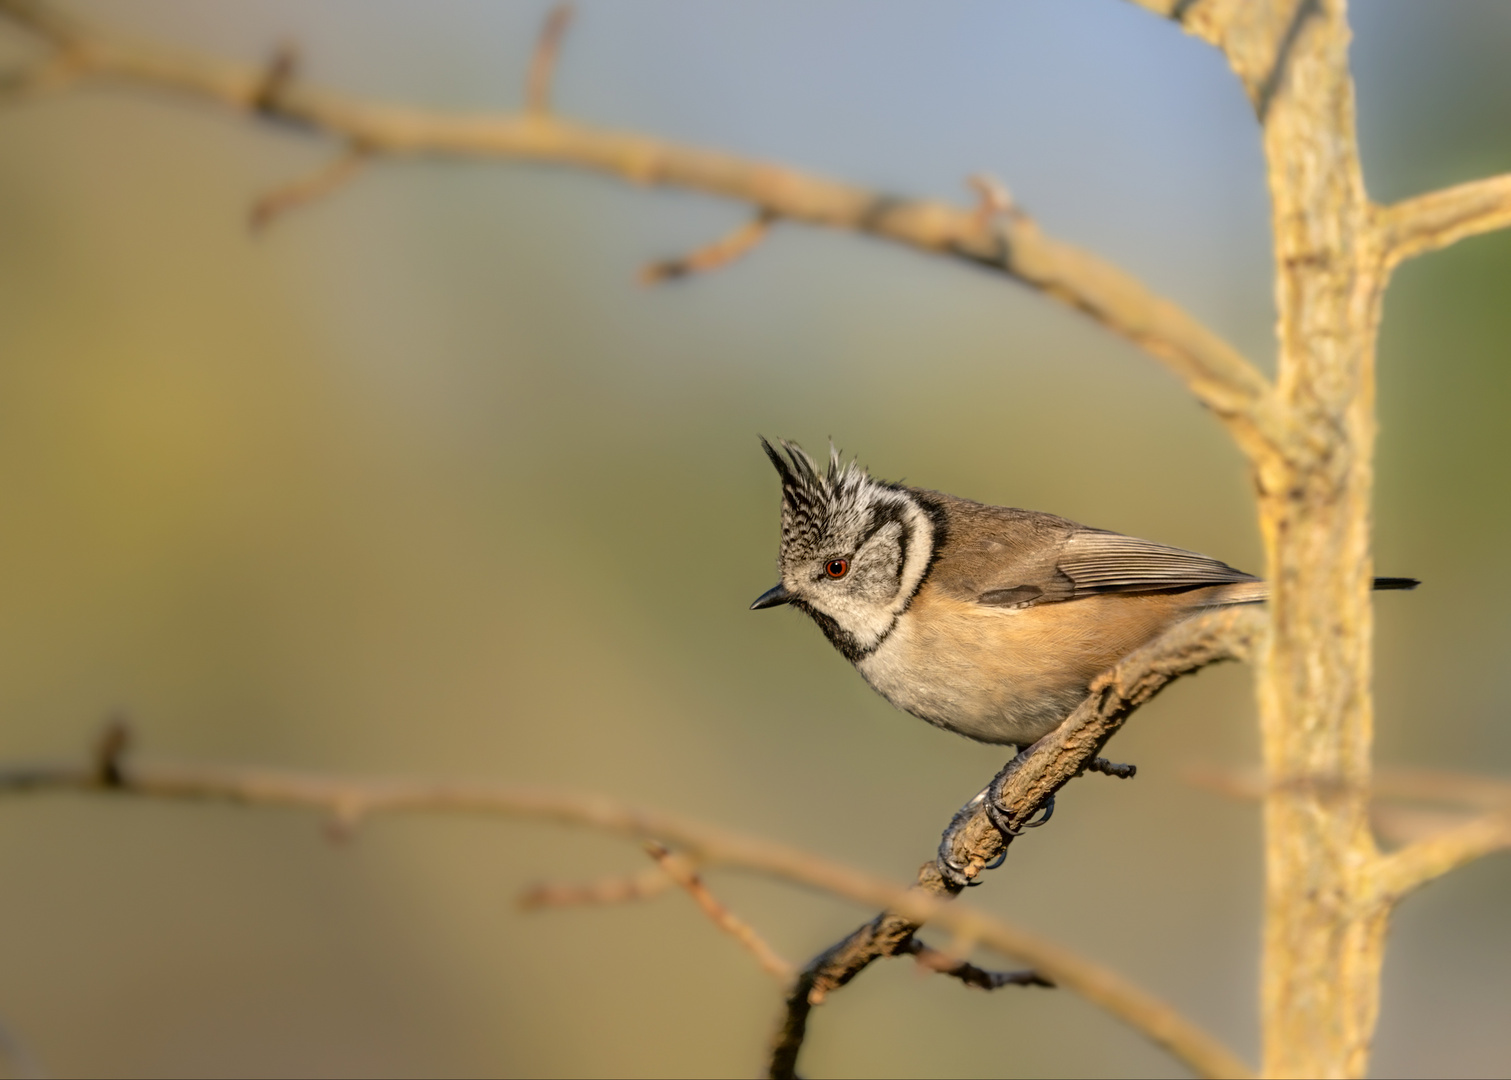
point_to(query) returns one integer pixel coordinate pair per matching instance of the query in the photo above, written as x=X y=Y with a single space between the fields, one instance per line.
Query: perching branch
x=1428 y=222
x=972 y=842
x=1009 y=244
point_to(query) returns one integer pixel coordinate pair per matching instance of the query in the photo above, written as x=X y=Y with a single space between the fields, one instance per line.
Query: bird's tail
x=1257 y=592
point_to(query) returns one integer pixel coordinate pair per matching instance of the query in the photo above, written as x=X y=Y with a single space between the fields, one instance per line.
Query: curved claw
x=998 y=817
x=953 y=872
x=1005 y=825
x=1046 y=812
x=998 y=861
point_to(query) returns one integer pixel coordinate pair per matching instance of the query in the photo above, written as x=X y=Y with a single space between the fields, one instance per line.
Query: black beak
x=772 y=597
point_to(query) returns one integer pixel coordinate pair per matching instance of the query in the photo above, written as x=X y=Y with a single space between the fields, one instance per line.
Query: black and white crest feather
x=817 y=506
x=885 y=532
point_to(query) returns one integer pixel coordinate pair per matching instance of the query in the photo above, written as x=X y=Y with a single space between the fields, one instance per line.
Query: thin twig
x=1211 y=368
x=610 y=890
x=993 y=199
x=1410 y=867
x=301 y=192
x=276 y=77
x=681 y=871
x=1428 y=222
x=1434 y=843
x=543 y=62
x=712 y=256
x=945 y=964
x=1402 y=784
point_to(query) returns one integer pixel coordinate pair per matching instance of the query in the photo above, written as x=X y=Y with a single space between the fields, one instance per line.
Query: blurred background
x=423 y=482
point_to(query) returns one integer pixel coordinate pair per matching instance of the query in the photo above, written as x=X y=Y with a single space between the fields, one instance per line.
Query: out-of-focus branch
x=1433 y=842
x=348 y=801
x=305 y=190
x=1010 y=244
x=543 y=63
x=684 y=874
x=972 y=842
x=1431 y=857
x=1428 y=222
x=720 y=253
x=609 y=890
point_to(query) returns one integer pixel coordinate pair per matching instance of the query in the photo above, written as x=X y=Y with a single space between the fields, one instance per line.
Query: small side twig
x=109 y=750
x=1437 y=219
x=980 y=978
x=718 y=254
x=280 y=72
x=301 y=192
x=609 y=890
x=681 y=871
x=543 y=62
x=993 y=199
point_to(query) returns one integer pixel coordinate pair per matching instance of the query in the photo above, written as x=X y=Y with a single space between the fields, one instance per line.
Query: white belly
x=984 y=680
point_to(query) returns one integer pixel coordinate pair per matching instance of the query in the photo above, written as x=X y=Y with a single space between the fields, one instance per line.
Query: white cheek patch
x=920 y=551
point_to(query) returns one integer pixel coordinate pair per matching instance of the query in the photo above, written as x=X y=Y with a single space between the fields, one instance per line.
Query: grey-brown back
x=1002 y=556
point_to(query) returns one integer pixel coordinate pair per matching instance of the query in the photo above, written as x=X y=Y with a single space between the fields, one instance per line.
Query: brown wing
x=1005 y=557
x=1099 y=562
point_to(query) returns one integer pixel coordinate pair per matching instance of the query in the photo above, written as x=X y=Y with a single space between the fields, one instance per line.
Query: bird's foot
x=951 y=868
x=954 y=872
x=1000 y=817
x=1111 y=768
x=1004 y=822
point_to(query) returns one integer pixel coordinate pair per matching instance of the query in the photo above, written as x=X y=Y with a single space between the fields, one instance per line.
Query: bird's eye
x=837 y=568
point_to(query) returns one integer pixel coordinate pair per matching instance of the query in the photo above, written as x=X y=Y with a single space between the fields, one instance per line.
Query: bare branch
x=1428 y=222
x=328 y=178
x=1410 y=785
x=681 y=871
x=945 y=964
x=349 y=800
x=609 y=890
x=56 y=27
x=1430 y=858
x=972 y=841
x=56 y=72
x=543 y=63
x=1444 y=785
x=720 y=253
x=1435 y=842
x=1012 y=244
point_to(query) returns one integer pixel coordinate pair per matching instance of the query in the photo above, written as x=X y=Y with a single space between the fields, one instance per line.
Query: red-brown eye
x=837 y=568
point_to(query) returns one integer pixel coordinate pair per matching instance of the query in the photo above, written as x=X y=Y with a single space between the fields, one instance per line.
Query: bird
x=988 y=621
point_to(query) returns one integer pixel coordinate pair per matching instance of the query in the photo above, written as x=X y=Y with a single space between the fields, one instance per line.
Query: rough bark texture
x=1324 y=918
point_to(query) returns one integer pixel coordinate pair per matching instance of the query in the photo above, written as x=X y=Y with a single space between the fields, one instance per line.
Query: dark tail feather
x=1396 y=583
